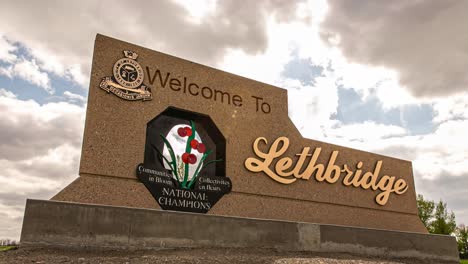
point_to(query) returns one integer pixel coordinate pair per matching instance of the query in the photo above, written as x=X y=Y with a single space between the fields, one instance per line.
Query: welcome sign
x=165 y=133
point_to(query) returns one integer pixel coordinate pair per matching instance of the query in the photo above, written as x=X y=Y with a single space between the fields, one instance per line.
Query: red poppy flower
x=188 y=130
x=194 y=143
x=182 y=132
x=185 y=157
x=192 y=159
x=201 y=148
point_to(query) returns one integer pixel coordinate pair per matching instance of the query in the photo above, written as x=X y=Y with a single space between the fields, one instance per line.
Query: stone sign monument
x=139 y=99
x=165 y=133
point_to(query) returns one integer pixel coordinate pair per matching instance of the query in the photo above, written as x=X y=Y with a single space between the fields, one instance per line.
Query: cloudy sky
x=383 y=76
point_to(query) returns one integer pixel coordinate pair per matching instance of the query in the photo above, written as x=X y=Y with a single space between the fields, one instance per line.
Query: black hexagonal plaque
x=184 y=167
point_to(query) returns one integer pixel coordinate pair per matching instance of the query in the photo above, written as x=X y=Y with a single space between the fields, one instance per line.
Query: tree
x=436 y=218
x=462 y=240
x=444 y=222
x=425 y=210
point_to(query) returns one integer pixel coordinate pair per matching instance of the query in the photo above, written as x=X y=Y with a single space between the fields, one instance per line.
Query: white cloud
x=52 y=63
x=434 y=154
x=72 y=97
x=421 y=40
x=6 y=71
x=440 y=159
x=366 y=79
x=6 y=50
x=452 y=107
x=29 y=129
x=37 y=70
x=29 y=71
x=7 y=94
x=367 y=131
x=197 y=12
x=309 y=105
x=46 y=172
x=39 y=153
x=60 y=46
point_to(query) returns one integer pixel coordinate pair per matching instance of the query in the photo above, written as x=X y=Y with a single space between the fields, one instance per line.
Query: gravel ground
x=179 y=256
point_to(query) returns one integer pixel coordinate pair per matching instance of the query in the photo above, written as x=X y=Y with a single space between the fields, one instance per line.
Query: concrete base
x=52 y=223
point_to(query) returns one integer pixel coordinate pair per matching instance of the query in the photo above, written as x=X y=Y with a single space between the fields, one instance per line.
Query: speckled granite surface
x=114 y=140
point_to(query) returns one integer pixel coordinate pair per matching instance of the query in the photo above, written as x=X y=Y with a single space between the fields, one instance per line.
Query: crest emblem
x=127 y=79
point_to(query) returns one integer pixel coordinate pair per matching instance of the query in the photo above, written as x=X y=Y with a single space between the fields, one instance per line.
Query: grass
x=6 y=248
x=463 y=261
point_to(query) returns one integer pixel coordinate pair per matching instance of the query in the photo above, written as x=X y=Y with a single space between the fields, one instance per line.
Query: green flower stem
x=211 y=161
x=171 y=152
x=188 y=149
x=167 y=161
x=195 y=175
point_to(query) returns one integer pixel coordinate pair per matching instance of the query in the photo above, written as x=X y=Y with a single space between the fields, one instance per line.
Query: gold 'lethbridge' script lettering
x=285 y=170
